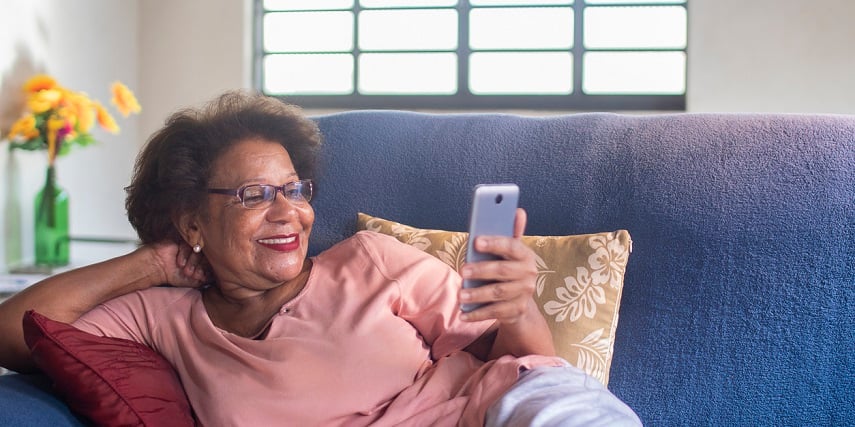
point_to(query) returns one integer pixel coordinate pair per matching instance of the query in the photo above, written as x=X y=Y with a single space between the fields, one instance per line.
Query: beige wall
x=190 y=51
x=745 y=56
x=772 y=56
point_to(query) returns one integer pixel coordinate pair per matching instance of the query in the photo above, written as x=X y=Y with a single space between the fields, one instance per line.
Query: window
x=466 y=54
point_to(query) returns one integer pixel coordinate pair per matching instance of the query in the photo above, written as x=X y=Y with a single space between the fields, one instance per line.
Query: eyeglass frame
x=239 y=192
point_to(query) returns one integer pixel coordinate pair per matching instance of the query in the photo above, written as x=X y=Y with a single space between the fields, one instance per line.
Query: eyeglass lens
x=262 y=194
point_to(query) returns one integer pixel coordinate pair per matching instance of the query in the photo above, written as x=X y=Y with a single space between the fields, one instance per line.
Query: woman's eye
x=253 y=195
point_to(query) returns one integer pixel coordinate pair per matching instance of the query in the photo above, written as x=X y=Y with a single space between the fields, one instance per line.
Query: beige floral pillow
x=579 y=284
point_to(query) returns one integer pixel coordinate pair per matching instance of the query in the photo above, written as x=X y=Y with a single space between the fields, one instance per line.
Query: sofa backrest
x=739 y=294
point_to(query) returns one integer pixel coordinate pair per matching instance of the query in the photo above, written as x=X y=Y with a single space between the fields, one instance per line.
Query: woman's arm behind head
x=67 y=296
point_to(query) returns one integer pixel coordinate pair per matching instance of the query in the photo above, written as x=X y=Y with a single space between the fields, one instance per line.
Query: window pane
x=518 y=2
x=521 y=28
x=408 y=73
x=635 y=27
x=521 y=73
x=634 y=1
x=328 y=74
x=407 y=3
x=307 y=4
x=308 y=31
x=609 y=73
x=408 y=29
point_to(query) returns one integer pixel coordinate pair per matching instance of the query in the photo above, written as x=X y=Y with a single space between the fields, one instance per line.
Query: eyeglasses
x=259 y=196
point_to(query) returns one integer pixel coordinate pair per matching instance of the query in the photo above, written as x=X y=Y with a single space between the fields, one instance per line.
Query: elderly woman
x=368 y=332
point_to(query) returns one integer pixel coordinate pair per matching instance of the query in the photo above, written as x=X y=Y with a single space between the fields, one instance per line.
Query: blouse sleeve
x=133 y=316
x=428 y=291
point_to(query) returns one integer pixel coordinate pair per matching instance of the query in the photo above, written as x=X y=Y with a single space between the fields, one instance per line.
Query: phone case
x=493 y=210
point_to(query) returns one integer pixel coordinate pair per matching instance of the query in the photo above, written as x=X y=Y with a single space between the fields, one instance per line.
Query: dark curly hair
x=172 y=171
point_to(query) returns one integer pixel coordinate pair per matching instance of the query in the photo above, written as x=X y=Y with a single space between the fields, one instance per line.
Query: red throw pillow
x=111 y=381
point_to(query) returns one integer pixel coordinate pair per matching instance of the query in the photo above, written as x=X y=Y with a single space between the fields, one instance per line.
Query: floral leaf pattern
x=594 y=352
x=608 y=261
x=453 y=251
x=542 y=272
x=579 y=297
x=578 y=285
x=418 y=240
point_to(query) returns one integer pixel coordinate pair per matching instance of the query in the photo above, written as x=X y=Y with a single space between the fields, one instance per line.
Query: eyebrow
x=258 y=180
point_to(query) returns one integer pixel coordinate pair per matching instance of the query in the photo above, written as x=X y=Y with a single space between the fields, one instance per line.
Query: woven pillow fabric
x=579 y=284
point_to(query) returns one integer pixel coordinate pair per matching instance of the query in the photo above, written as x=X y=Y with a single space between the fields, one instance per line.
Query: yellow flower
x=24 y=128
x=124 y=99
x=39 y=83
x=106 y=121
x=57 y=119
x=44 y=100
x=82 y=112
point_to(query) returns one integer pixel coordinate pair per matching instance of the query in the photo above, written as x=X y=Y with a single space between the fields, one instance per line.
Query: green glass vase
x=51 y=209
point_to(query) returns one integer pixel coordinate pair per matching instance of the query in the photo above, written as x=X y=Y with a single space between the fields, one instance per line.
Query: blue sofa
x=739 y=296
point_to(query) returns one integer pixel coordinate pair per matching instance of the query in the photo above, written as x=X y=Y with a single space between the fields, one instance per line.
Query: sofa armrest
x=26 y=400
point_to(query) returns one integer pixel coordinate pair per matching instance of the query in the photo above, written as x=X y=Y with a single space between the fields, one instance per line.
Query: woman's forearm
x=529 y=335
x=67 y=296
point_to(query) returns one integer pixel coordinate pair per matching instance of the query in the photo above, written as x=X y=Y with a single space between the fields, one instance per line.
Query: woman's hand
x=67 y=296
x=512 y=279
x=181 y=267
x=509 y=294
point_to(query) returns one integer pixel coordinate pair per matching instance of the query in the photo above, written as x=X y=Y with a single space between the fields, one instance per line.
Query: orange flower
x=39 y=82
x=58 y=119
x=82 y=111
x=44 y=100
x=124 y=99
x=105 y=119
x=24 y=128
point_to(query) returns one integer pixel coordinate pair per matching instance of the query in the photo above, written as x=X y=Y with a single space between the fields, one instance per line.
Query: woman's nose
x=282 y=206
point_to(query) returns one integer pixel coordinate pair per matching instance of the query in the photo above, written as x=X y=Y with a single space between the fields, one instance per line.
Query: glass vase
x=51 y=209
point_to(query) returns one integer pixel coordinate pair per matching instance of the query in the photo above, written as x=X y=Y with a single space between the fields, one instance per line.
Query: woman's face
x=254 y=249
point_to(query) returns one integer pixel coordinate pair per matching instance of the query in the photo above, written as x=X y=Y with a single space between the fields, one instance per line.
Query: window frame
x=464 y=99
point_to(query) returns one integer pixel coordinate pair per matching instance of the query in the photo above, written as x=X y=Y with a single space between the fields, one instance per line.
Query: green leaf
x=34 y=144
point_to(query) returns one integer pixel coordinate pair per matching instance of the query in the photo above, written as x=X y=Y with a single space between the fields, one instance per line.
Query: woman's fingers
x=496 y=292
x=503 y=301
x=519 y=222
x=511 y=279
x=505 y=247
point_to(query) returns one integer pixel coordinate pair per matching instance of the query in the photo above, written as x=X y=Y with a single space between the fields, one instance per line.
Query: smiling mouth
x=278 y=240
x=285 y=243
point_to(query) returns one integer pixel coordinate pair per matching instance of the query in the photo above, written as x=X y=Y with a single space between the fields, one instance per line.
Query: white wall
x=772 y=56
x=744 y=56
x=86 y=45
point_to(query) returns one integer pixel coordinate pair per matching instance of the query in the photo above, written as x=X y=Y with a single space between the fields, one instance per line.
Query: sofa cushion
x=579 y=284
x=110 y=381
x=28 y=400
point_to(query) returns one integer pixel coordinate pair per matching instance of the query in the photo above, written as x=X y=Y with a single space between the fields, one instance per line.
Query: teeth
x=279 y=241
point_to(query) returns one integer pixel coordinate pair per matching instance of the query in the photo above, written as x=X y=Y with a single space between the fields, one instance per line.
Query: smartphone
x=494 y=207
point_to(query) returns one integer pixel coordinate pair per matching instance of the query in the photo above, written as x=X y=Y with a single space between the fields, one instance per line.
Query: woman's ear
x=188 y=225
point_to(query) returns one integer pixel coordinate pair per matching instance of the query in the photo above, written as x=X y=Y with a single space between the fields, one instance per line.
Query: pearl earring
x=197 y=248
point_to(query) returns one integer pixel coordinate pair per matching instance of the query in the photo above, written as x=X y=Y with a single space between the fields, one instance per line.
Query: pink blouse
x=374 y=338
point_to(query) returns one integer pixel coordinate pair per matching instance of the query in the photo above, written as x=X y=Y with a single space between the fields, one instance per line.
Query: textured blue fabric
x=26 y=401
x=740 y=292
x=739 y=295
